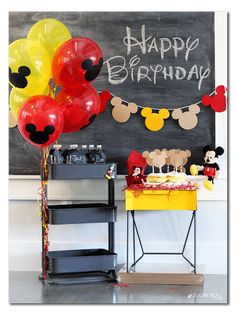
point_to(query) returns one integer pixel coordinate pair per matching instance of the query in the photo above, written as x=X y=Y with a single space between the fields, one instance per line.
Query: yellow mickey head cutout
x=121 y=112
x=154 y=121
x=187 y=120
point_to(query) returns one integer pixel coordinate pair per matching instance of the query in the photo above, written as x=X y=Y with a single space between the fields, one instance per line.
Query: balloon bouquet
x=47 y=59
x=50 y=54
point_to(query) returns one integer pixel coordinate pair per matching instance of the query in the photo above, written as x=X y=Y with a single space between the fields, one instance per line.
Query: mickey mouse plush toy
x=137 y=177
x=210 y=168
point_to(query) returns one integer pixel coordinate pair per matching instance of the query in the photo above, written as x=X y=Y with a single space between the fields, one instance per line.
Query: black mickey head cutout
x=92 y=70
x=39 y=137
x=18 y=79
x=92 y=118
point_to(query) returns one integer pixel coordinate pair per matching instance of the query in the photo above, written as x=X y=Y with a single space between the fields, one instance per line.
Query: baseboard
x=161 y=278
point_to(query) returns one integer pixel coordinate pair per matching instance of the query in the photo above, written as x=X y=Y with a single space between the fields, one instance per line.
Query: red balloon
x=40 y=120
x=78 y=60
x=80 y=106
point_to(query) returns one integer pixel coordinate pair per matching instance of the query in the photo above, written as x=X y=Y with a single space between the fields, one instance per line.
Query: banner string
x=158 y=108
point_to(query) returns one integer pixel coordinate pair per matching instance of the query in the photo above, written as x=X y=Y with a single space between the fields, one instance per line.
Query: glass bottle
x=72 y=154
x=100 y=155
x=56 y=154
x=91 y=154
x=83 y=154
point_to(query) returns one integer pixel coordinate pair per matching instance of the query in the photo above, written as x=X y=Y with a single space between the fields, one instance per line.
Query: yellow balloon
x=50 y=33
x=17 y=98
x=29 y=67
x=12 y=122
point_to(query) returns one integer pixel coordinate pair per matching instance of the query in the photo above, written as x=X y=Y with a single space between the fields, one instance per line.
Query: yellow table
x=161 y=200
x=155 y=200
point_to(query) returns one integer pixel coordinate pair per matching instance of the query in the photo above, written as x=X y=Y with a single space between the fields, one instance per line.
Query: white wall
x=160 y=231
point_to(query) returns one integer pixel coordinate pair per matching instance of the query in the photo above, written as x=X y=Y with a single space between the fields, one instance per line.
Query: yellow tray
x=161 y=200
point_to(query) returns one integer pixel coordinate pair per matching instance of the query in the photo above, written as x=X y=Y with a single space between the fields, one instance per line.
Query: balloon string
x=52 y=90
x=42 y=191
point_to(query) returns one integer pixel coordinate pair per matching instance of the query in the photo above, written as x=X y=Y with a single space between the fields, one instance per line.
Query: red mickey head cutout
x=79 y=106
x=217 y=101
x=40 y=120
x=78 y=60
x=105 y=96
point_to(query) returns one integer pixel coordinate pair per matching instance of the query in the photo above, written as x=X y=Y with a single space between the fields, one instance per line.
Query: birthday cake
x=153 y=178
x=176 y=177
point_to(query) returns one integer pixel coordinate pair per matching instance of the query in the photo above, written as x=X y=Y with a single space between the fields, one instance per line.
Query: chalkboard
x=161 y=59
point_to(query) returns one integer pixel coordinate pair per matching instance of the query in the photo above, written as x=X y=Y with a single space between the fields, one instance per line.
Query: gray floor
x=24 y=287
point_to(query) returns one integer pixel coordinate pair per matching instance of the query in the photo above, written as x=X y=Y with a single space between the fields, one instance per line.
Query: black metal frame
x=88 y=276
x=136 y=232
x=111 y=225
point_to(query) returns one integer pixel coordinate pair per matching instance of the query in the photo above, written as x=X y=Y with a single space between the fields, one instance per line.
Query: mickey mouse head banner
x=121 y=112
x=188 y=119
x=217 y=101
x=154 y=121
x=155 y=117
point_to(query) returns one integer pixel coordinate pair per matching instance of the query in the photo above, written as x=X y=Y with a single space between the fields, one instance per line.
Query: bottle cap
x=84 y=146
x=99 y=146
x=57 y=146
x=73 y=146
x=91 y=146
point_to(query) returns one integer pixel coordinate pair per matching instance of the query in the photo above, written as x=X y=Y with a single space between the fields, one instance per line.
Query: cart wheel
x=113 y=275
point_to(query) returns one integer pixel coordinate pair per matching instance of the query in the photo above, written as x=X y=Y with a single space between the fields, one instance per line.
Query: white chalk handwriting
x=130 y=65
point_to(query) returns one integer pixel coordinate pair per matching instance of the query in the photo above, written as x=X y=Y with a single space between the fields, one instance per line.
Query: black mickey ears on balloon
x=18 y=79
x=91 y=120
x=30 y=127
x=49 y=129
x=92 y=71
x=39 y=137
x=24 y=70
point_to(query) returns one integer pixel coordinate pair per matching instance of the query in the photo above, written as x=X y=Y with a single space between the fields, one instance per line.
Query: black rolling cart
x=82 y=265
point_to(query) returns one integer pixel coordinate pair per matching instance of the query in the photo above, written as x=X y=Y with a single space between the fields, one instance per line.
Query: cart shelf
x=79 y=171
x=81 y=213
x=82 y=260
